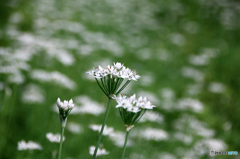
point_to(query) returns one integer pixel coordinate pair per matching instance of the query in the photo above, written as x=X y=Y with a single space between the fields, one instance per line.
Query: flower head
x=132 y=108
x=115 y=70
x=65 y=108
x=65 y=105
x=110 y=78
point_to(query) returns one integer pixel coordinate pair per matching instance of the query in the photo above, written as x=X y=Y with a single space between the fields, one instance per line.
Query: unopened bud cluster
x=65 y=108
x=65 y=105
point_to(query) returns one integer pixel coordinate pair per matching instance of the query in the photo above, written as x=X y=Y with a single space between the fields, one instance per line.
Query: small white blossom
x=23 y=145
x=133 y=104
x=115 y=70
x=100 y=152
x=54 y=137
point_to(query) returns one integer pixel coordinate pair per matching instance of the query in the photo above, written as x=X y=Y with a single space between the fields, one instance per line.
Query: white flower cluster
x=23 y=145
x=65 y=105
x=54 y=137
x=115 y=70
x=133 y=104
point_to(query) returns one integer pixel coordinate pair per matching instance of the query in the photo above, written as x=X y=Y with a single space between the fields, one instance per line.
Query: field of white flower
x=184 y=57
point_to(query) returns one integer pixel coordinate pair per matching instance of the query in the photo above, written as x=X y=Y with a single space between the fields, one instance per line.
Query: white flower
x=118 y=65
x=23 y=145
x=106 y=130
x=115 y=70
x=133 y=104
x=100 y=152
x=65 y=105
x=54 y=137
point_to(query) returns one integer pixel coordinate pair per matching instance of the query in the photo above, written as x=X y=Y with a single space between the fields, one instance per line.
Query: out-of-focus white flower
x=227 y=125
x=23 y=145
x=188 y=103
x=194 y=126
x=193 y=73
x=133 y=104
x=55 y=77
x=100 y=152
x=216 y=87
x=74 y=128
x=147 y=79
x=33 y=94
x=177 y=39
x=187 y=139
x=54 y=137
x=152 y=116
x=115 y=70
x=167 y=93
x=87 y=106
x=106 y=130
x=151 y=134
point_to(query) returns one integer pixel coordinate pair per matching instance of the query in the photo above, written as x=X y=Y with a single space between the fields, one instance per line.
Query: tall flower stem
x=101 y=132
x=60 y=146
x=125 y=144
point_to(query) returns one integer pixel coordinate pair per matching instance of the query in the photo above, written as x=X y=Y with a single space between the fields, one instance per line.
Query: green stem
x=60 y=146
x=125 y=144
x=101 y=132
x=125 y=84
x=101 y=87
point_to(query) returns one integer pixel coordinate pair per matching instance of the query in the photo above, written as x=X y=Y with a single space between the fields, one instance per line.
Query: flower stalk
x=125 y=143
x=65 y=108
x=61 y=141
x=101 y=132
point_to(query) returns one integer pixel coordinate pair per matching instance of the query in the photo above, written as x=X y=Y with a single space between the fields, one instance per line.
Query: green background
x=184 y=51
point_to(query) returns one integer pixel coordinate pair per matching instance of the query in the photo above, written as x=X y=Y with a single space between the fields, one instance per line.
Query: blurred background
x=187 y=53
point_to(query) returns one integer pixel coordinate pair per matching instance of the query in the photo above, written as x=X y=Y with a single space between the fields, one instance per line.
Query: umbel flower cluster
x=110 y=79
x=116 y=70
x=132 y=108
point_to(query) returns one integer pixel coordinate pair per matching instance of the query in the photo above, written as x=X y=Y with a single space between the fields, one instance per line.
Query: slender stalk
x=104 y=86
x=60 y=146
x=101 y=132
x=125 y=84
x=101 y=87
x=125 y=144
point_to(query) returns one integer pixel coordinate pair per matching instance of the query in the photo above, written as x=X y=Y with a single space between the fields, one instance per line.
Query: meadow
x=186 y=52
